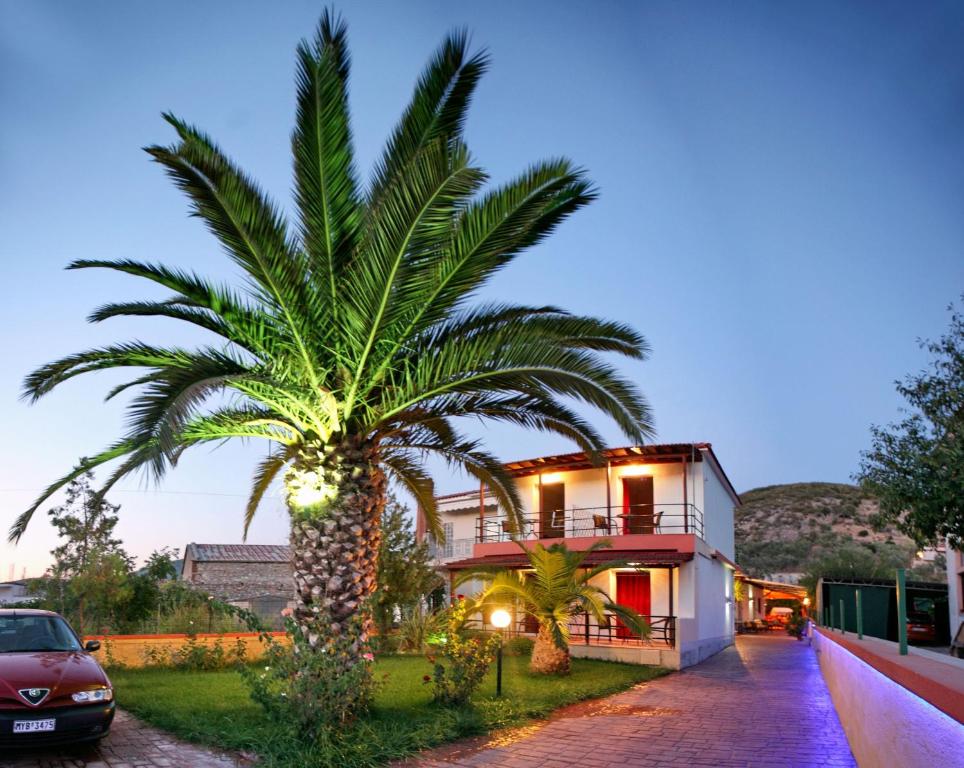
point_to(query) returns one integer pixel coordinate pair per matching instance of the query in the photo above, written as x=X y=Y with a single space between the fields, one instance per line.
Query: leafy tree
x=89 y=574
x=555 y=590
x=405 y=572
x=850 y=560
x=353 y=341
x=104 y=588
x=916 y=466
x=160 y=565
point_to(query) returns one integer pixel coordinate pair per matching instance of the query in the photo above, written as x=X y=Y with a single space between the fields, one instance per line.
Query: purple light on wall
x=886 y=723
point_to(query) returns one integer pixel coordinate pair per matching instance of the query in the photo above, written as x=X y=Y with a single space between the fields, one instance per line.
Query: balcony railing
x=452 y=549
x=584 y=629
x=595 y=521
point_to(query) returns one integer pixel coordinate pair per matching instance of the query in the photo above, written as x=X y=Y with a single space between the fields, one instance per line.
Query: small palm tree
x=352 y=343
x=553 y=592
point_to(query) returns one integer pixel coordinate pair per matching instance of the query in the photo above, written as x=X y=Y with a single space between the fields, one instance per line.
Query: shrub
x=385 y=644
x=310 y=694
x=519 y=646
x=416 y=628
x=155 y=657
x=110 y=660
x=467 y=655
x=196 y=656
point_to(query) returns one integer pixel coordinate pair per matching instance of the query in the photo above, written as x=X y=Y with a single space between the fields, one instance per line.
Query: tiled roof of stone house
x=238 y=553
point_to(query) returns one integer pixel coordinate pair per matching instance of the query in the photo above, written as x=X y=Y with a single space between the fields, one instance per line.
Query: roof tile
x=239 y=553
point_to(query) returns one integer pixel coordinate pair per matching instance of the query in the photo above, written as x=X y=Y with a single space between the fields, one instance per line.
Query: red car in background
x=921 y=628
x=51 y=689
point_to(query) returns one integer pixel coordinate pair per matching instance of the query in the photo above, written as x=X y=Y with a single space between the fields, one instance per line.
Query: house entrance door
x=632 y=591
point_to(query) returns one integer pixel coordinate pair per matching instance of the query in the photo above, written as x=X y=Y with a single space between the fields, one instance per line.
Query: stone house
x=257 y=577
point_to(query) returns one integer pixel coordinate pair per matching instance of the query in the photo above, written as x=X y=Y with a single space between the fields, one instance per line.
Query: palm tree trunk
x=336 y=555
x=547 y=657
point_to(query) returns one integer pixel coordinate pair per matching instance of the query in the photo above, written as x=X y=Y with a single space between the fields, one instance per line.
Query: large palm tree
x=353 y=341
x=553 y=591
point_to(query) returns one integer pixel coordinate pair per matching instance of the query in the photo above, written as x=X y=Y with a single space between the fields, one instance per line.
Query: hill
x=790 y=528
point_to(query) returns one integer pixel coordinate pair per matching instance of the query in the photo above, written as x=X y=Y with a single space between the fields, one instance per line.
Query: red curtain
x=632 y=591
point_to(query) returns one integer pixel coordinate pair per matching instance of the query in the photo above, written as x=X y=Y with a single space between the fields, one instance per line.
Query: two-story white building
x=668 y=512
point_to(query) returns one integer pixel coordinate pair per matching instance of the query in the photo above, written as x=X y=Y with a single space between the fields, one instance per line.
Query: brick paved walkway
x=130 y=744
x=760 y=704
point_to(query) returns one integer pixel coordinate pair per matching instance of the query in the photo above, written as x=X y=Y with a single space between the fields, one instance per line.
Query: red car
x=921 y=628
x=51 y=689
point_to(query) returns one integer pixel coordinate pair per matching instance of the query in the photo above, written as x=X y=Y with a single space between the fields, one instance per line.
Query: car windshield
x=36 y=633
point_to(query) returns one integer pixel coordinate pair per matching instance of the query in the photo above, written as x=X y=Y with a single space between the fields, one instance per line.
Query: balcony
x=594 y=522
x=451 y=549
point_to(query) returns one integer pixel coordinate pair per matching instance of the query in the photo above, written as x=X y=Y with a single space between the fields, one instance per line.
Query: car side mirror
x=92 y=645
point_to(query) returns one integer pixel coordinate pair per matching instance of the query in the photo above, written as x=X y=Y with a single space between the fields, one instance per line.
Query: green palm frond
x=436 y=112
x=633 y=621
x=468 y=455
x=326 y=185
x=265 y=473
x=359 y=323
x=512 y=360
x=406 y=468
x=110 y=454
x=555 y=589
x=241 y=423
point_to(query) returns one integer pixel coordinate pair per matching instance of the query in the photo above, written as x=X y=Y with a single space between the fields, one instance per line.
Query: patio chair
x=601 y=523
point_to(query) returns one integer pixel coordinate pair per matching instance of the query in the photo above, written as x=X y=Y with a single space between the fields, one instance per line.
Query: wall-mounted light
x=635 y=470
x=551 y=478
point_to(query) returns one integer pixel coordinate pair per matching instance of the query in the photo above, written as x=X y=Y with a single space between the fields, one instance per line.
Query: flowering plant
x=460 y=661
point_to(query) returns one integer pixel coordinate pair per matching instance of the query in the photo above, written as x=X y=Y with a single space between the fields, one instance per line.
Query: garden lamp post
x=500 y=620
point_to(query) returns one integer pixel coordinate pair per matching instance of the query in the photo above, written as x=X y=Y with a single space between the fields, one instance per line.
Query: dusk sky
x=780 y=209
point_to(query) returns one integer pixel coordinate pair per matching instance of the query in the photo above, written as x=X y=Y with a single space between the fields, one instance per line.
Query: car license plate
x=33 y=726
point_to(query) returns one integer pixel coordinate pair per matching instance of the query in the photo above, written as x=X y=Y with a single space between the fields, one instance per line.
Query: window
x=35 y=633
x=449 y=529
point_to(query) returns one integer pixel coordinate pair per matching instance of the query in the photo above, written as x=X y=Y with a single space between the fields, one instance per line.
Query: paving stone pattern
x=760 y=704
x=130 y=744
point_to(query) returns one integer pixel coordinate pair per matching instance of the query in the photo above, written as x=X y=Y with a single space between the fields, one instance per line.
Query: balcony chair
x=657 y=518
x=601 y=523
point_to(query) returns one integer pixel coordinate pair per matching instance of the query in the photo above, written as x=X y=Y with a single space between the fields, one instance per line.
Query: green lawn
x=214 y=708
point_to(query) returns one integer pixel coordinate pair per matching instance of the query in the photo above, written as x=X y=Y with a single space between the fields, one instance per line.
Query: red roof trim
x=643 y=557
x=626 y=455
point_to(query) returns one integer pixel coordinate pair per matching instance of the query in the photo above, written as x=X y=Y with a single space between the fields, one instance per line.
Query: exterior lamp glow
x=500 y=619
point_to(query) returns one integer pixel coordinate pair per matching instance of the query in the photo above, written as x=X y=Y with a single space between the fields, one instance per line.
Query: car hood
x=63 y=673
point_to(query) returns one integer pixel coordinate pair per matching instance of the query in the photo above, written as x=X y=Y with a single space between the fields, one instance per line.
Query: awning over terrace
x=652 y=558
